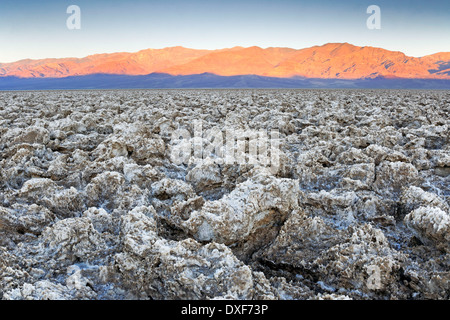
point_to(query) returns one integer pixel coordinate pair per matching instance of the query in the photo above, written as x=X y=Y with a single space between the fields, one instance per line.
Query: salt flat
x=129 y=194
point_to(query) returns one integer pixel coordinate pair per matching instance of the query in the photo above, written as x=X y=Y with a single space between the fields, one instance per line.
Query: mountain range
x=332 y=61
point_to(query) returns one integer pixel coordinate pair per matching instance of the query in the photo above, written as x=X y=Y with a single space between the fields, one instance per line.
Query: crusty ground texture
x=92 y=206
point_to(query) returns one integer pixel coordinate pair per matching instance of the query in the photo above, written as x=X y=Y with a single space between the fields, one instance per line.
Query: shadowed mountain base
x=208 y=80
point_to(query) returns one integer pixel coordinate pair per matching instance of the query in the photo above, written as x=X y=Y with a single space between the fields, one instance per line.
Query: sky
x=37 y=29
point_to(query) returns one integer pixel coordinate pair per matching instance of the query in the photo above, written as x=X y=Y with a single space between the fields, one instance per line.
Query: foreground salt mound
x=413 y=197
x=72 y=239
x=362 y=260
x=366 y=262
x=205 y=175
x=180 y=270
x=46 y=290
x=257 y=203
x=47 y=193
x=393 y=176
x=431 y=224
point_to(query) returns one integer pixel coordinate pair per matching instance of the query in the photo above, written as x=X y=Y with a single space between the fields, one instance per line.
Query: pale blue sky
x=32 y=29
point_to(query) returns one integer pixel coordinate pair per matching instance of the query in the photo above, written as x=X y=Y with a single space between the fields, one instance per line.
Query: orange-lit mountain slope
x=332 y=60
